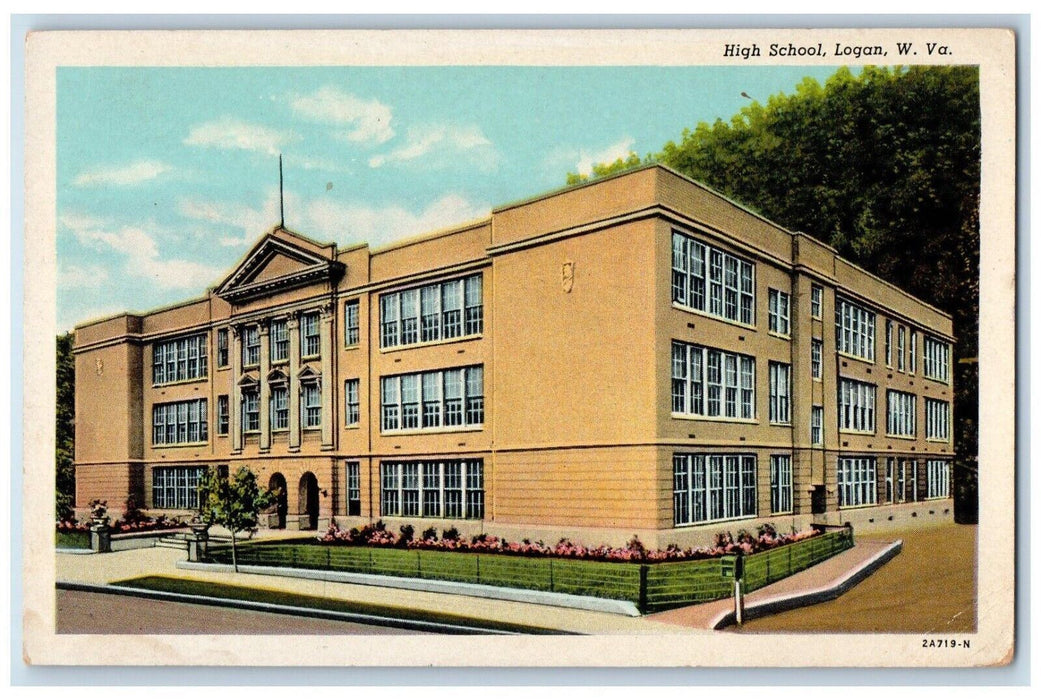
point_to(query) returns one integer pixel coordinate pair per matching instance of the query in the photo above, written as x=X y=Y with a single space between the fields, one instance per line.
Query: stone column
x=265 y=388
x=293 y=328
x=326 y=344
x=235 y=407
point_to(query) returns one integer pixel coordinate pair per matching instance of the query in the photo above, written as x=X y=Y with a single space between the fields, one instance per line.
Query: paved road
x=81 y=612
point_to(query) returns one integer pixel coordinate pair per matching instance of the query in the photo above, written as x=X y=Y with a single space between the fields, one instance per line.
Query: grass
x=72 y=540
x=169 y=584
x=930 y=587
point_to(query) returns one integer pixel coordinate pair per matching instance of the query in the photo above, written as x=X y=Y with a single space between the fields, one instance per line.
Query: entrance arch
x=308 y=503
x=277 y=481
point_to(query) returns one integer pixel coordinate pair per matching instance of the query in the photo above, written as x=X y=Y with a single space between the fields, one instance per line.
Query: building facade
x=633 y=355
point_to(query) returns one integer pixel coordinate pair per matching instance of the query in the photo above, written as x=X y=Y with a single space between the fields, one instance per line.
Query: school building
x=635 y=355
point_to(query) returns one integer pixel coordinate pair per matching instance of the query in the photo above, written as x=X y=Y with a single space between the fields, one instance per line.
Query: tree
x=876 y=165
x=233 y=503
x=65 y=429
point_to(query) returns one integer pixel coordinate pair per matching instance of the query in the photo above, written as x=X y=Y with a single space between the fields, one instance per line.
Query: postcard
x=573 y=348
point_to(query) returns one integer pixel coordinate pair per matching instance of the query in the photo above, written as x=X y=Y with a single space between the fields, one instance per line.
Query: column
x=326 y=345
x=235 y=404
x=293 y=328
x=265 y=387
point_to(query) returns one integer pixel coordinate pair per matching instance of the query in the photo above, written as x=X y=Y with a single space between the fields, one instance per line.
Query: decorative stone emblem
x=567 y=276
x=99 y=366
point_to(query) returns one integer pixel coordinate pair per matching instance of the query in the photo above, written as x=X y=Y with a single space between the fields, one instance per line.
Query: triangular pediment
x=280 y=261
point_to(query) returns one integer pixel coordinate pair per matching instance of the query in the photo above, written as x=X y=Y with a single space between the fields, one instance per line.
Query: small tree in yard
x=233 y=503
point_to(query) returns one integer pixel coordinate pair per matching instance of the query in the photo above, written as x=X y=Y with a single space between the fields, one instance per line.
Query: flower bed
x=123 y=527
x=766 y=538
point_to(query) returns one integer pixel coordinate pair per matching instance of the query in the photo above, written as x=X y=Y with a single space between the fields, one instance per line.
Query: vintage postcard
x=573 y=348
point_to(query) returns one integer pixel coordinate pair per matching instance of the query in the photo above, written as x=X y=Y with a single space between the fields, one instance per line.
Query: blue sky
x=166 y=176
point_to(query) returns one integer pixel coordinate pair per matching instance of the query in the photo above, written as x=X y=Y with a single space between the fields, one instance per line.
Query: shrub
x=430 y=534
x=451 y=534
x=407 y=533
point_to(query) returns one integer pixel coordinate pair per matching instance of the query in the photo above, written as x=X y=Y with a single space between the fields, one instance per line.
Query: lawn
x=170 y=584
x=929 y=587
x=72 y=540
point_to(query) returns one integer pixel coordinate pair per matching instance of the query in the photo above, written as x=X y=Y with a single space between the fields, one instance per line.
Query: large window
x=441 y=311
x=900 y=345
x=780 y=393
x=780 y=312
x=937 y=478
x=310 y=339
x=251 y=410
x=352 y=406
x=311 y=405
x=935 y=358
x=351 y=323
x=900 y=413
x=937 y=420
x=816 y=358
x=353 y=488
x=816 y=301
x=712 y=383
x=856 y=481
x=889 y=343
x=279 y=340
x=817 y=425
x=912 y=355
x=707 y=487
x=179 y=360
x=855 y=330
x=710 y=280
x=279 y=407
x=223 y=416
x=856 y=406
x=429 y=400
x=780 y=484
x=250 y=346
x=176 y=487
x=179 y=422
x=222 y=347
x=434 y=489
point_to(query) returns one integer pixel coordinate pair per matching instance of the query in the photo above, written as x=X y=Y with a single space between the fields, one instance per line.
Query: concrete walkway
x=822 y=582
x=826 y=581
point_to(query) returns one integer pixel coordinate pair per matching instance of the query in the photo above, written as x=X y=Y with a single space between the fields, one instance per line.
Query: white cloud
x=122 y=175
x=142 y=257
x=442 y=145
x=619 y=149
x=228 y=133
x=247 y=223
x=82 y=277
x=363 y=121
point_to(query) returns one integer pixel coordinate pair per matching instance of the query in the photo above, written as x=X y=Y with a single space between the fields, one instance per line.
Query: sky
x=167 y=176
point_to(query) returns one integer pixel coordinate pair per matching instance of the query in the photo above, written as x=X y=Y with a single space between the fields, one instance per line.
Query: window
x=179 y=360
x=935 y=358
x=250 y=410
x=912 y=355
x=311 y=406
x=709 y=280
x=427 y=400
x=279 y=408
x=890 y=490
x=817 y=425
x=889 y=343
x=222 y=347
x=351 y=323
x=855 y=330
x=856 y=406
x=250 y=346
x=780 y=484
x=441 y=311
x=223 y=417
x=310 y=341
x=816 y=301
x=900 y=413
x=279 y=340
x=353 y=488
x=900 y=331
x=351 y=401
x=816 y=358
x=780 y=307
x=712 y=383
x=176 y=487
x=856 y=482
x=937 y=478
x=435 y=489
x=179 y=422
x=707 y=487
x=937 y=420
x=780 y=392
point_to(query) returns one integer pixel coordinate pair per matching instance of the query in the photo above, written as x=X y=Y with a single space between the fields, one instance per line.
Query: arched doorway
x=278 y=482
x=308 y=502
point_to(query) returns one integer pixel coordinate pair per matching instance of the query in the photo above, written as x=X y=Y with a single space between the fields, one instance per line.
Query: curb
x=478 y=590
x=401 y=623
x=831 y=591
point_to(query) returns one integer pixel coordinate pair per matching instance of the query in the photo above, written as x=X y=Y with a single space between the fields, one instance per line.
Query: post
x=739 y=598
x=100 y=536
x=642 y=605
x=198 y=542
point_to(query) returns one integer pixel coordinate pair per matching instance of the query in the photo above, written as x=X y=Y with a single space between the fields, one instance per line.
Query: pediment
x=278 y=263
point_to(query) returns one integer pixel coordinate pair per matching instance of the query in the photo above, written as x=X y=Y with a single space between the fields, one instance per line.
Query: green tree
x=233 y=503
x=65 y=429
x=877 y=165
